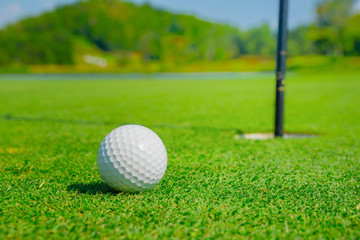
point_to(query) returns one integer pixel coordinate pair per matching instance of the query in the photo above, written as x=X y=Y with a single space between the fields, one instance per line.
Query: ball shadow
x=91 y=188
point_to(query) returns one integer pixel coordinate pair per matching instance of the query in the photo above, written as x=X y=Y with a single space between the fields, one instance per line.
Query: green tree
x=299 y=42
x=328 y=33
x=260 y=41
x=352 y=36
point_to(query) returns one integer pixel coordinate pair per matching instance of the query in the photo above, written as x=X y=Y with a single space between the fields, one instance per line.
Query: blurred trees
x=329 y=30
x=299 y=42
x=335 y=32
x=351 y=39
x=122 y=28
x=260 y=41
x=35 y=41
x=113 y=25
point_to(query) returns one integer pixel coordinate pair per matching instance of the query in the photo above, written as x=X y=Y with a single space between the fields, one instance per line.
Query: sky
x=240 y=13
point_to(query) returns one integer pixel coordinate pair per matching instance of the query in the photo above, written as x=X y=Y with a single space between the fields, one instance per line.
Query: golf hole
x=265 y=136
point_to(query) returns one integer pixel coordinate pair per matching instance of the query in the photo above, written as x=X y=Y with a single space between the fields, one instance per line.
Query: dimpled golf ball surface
x=132 y=158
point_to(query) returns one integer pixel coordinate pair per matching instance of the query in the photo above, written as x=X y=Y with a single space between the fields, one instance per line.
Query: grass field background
x=215 y=186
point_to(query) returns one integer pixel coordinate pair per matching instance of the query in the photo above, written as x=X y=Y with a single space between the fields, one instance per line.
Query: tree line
x=121 y=28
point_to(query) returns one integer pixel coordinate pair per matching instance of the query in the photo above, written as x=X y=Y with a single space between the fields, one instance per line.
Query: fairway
x=215 y=186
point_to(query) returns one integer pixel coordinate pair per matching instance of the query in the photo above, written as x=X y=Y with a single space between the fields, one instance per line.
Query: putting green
x=215 y=186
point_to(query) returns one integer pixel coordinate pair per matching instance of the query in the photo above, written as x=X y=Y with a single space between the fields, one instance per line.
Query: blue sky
x=240 y=13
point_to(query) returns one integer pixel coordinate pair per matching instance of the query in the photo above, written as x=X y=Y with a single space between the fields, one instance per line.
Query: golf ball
x=132 y=158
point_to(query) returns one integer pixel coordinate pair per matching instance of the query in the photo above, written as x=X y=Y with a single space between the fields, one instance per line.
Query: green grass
x=214 y=187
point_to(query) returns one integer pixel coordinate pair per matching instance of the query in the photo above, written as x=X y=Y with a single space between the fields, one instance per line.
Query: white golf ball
x=132 y=158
